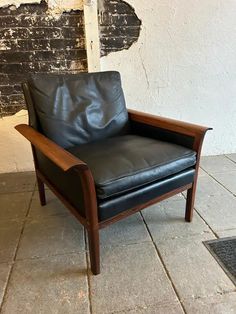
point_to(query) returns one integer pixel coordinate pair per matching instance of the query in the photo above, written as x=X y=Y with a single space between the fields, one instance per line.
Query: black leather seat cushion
x=108 y=208
x=73 y=109
x=124 y=163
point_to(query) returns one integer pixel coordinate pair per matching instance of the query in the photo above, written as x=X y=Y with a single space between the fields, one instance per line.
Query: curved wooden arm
x=54 y=152
x=169 y=124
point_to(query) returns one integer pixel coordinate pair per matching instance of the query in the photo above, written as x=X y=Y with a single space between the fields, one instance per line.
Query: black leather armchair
x=104 y=162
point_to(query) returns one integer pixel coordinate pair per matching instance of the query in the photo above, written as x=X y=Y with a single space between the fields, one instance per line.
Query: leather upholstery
x=161 y=134
x=110 y=207
x=69 y=185
x=131 y=162
x=74 y=109
x=33 y=119
x=124 y=163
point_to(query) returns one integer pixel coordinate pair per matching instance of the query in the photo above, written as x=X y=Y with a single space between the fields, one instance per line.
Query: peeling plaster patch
x=4 y=46
x=61 y=6
x=55 y=6
x=17 y=3
x=119 y=26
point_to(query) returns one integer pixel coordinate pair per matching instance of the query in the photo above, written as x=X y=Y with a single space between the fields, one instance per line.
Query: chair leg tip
x=95 y=272
x=188 y=219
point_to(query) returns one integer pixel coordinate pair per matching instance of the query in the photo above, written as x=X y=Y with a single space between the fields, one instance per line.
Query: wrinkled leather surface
x=74 y=109
x=113 y=206
x=123 y=163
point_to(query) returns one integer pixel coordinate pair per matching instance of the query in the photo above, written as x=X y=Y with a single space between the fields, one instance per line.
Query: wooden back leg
x=41 y=189
x=190 y=202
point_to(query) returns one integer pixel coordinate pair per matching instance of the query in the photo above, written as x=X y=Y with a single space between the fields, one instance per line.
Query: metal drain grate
x=224 y=251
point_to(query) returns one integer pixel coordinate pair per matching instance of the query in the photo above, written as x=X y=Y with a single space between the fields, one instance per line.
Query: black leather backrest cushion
x=74 y=109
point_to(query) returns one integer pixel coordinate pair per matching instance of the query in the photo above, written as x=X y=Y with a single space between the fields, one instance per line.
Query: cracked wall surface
x=35 y=40
x=183 y=65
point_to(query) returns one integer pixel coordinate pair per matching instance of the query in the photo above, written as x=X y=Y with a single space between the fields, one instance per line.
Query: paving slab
x=53 y=207
x=172 y=308
x=226 y=233
x=51 y=235
x=4 y=274
x=202 y=173
x=228 y=180
x=9 y=238
x=45 y=187
x=132 y=276
x=193 y=270
x=232 y=157
x=14 y=206
x=50 y=285
x=217 y=164
x=166 y=221
x=126 y=231
x=217 y=304
x=174 y=198
x=17 y=182
x=219 y=211
x=207 y=186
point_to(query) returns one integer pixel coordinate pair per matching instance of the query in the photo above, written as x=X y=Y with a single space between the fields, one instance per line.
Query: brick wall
x=119 y=25
x=33 y=41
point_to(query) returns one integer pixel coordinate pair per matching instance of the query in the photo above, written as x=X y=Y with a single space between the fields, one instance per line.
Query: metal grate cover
x=224 y=251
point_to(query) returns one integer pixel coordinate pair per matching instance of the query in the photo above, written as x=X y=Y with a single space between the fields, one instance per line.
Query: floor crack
x=88 y=276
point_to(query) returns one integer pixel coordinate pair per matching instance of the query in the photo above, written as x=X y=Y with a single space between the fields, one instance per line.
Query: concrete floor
x=151 y=263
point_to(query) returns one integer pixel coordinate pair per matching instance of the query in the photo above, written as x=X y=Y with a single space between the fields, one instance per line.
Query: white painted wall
x=184 y=65
x=15 y=153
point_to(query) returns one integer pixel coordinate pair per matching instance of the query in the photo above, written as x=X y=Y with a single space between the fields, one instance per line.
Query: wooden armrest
x=54 y=152
x=177 y=126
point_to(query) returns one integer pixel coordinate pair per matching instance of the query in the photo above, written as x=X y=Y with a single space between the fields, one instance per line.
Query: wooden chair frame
x=66 y=161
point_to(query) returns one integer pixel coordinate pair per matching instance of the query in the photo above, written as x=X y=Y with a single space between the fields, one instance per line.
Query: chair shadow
x=70 y=273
